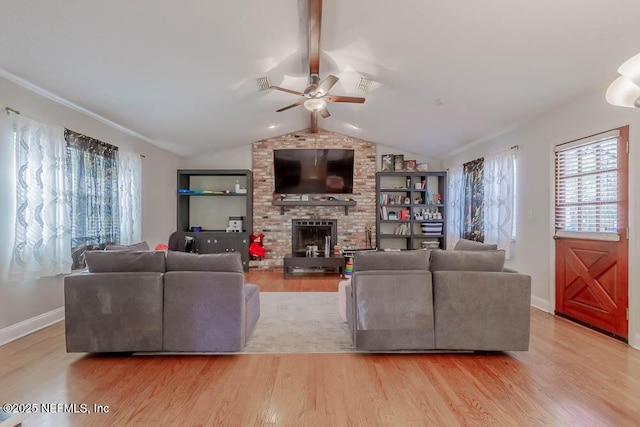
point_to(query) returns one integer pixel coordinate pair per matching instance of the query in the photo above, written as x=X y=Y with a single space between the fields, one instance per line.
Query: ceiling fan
x=317 y=92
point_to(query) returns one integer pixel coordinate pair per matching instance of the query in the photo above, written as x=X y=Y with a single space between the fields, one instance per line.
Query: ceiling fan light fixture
x=631 y=69
x=623 y=93
x=315 y=104
x=625 y=90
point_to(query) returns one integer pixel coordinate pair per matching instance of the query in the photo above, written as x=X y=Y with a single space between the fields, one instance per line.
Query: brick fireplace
x=350 y=229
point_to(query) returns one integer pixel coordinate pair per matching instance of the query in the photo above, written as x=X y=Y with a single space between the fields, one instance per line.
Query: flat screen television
x=313 y=171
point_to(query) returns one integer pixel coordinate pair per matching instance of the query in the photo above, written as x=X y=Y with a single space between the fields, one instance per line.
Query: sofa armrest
x=204 y=311
x=481 y=310
x=113 y=312
x=392 y=310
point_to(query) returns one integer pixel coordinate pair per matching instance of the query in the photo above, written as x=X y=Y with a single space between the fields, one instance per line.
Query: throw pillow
x=185 y=261
x=124 y=261
x=403 y=260
x=471 y=245
x=442 y=260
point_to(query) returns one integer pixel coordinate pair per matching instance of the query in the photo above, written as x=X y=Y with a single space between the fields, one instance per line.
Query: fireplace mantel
x=283 y=204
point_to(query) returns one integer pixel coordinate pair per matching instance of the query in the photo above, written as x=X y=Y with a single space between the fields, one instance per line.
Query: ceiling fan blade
x=295 y=92
x=327 y=84
x=290 y=106
x=314 y=122
x=354 y=99
x=315 y=20
x=325 y=113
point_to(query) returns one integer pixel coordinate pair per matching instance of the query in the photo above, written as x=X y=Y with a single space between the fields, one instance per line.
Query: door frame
x=633 y=270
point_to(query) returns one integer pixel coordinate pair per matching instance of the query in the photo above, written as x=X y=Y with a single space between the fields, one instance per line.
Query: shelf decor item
x=428 y=244
x=431 y=228
x=422 y=167
x=387 y=163
x=398 y=162
x=409 y=165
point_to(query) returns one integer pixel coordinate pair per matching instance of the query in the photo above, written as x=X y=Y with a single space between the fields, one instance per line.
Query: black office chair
x=181 y=242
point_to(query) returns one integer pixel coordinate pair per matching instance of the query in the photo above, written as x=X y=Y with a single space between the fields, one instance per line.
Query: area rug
x=299 y=322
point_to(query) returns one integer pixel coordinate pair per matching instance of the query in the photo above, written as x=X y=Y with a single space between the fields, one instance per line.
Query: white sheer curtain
x=130 y=195
x=498 y=180
x=42 y=245
x=455 y=205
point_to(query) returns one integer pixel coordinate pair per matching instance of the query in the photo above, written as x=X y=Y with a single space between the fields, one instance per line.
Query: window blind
x=586 y=185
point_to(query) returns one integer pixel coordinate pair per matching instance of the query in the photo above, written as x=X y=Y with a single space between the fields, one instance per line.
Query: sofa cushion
x=142 y=246
x=472 y=245
x=185 y=261
x=403 y=260
x=442 y=260
x=125 y=261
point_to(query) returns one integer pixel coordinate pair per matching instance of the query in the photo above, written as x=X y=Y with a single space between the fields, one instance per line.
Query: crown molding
x=66 y=103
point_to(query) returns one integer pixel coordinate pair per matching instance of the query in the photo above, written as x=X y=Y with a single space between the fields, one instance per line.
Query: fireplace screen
x=306 y=233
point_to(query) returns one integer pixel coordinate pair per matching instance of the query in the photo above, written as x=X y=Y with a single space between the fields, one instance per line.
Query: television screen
x=313 y=171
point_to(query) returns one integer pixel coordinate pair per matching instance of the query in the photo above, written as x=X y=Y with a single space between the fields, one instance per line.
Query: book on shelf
x=402 y=230
x=383 y=213
x=391 y=199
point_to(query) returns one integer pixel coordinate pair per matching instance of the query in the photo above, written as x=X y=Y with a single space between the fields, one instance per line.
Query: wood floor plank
x=570 y=376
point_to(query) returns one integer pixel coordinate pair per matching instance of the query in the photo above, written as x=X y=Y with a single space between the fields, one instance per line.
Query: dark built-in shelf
x=418 y=221
x=211 y=189
x=399 y=186
x=284 y=203
x=212 y=194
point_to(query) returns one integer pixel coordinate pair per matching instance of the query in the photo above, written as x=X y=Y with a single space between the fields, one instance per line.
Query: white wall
x=21 y=301
x=585 y=116
x=231 y=158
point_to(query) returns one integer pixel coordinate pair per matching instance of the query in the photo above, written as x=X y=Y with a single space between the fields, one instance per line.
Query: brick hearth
x=277 y=227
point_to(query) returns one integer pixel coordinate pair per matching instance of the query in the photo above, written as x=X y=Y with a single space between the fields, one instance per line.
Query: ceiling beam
x=315 y=21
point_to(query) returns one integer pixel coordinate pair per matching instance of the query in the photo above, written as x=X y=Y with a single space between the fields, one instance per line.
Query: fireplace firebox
x=312 y=232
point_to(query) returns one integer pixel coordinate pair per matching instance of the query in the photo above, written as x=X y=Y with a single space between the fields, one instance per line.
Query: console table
x=291 y=261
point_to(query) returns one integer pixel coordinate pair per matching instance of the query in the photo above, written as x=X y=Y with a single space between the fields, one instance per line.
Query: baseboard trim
x=636 y=342
x=29 y=326
x=541 y=304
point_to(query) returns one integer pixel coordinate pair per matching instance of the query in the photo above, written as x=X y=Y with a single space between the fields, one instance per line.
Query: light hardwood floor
x=571 y=376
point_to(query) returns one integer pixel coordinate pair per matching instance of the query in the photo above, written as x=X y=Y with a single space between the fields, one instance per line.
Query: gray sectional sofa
x=438 y=300
x=142 y=301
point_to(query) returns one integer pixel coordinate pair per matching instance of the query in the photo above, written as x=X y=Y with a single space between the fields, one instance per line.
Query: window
x=586 y=184
x=69 y=190
x=474 y=194
x=42 y=242
x=482 y=200
x=92 y=173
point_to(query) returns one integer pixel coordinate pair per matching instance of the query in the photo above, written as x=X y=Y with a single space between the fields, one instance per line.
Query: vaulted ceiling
x=446 y=73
